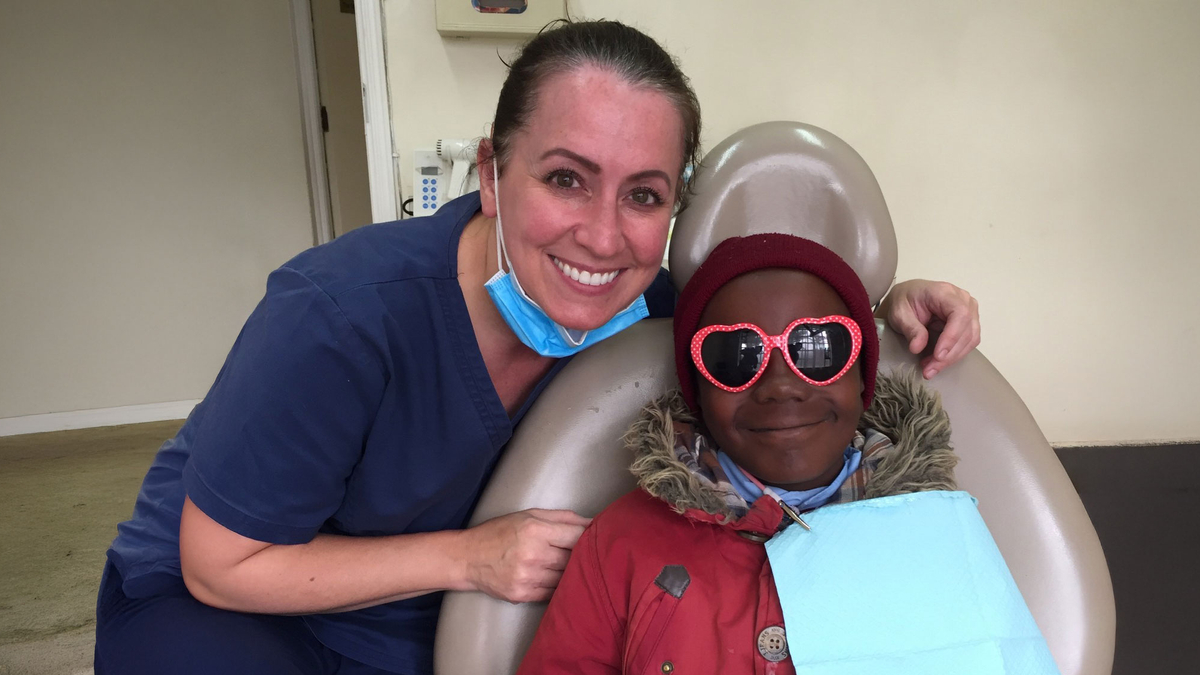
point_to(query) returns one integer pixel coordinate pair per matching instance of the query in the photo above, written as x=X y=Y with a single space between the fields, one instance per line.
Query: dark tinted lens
x=820 y=351
x=732 y=358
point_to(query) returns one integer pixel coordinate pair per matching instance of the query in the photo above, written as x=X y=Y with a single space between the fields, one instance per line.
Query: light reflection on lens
x=820 y=351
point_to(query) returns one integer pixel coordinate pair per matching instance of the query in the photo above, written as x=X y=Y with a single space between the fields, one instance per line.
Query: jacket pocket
x=656 y=607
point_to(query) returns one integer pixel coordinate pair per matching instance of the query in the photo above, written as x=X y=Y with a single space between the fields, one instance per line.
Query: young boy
x=776 y=352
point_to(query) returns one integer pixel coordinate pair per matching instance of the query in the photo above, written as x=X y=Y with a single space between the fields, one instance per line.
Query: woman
x=309 y=512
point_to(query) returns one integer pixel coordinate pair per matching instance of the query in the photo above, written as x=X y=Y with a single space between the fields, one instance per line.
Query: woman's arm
x=919 y=308
x=518 y=558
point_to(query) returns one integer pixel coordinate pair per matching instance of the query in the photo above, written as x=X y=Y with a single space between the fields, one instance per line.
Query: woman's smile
x=586 y=276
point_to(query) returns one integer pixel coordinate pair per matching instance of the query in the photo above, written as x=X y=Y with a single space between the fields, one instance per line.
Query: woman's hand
x=919 y=308
x=521 y=556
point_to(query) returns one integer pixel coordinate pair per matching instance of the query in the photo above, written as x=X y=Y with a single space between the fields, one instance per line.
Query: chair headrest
x=795 y=179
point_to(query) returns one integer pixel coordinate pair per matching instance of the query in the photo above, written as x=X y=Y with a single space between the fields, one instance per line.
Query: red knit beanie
x=739 y=255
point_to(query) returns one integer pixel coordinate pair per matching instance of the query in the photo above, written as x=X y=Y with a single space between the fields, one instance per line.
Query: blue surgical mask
x=530 y=323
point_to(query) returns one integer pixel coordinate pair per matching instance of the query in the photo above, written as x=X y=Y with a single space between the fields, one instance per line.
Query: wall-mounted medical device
x=496 y=18
x=431 y=179
x=442 y=174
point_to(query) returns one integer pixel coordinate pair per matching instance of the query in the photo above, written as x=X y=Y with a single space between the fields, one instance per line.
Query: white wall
x=151 y=175
x=1042 y=155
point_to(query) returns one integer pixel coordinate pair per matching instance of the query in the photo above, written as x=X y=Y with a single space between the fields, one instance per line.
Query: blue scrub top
x=355 y=401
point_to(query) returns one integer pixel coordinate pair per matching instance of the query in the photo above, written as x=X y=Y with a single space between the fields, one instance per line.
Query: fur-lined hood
x=903 y=410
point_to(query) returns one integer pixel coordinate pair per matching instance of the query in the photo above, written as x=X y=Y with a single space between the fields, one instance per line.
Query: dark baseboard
x=1145 y=504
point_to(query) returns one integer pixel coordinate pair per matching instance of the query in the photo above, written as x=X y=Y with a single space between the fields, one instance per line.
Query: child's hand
x=520 y=557
x=918 y=307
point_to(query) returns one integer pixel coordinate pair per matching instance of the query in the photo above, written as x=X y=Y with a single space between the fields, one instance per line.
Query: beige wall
x=1042 y=155
x=151 y=175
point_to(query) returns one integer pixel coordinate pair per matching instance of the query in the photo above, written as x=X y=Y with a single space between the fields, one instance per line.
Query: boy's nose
x=779 y=383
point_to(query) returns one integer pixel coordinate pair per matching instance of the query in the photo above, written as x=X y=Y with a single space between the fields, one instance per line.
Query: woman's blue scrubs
x=355 y=401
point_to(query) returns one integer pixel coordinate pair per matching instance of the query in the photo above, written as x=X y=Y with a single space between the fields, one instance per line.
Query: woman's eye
x=645 y=197
x=563 y=180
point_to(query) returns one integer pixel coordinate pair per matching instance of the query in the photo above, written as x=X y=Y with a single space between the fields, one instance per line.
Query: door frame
x=310 y=122
x=381 y=154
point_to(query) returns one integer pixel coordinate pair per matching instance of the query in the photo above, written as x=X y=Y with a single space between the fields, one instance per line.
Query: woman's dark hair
x=626 y=52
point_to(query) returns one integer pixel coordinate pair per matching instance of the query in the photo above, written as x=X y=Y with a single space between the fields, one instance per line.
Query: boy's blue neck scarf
x=798 y=500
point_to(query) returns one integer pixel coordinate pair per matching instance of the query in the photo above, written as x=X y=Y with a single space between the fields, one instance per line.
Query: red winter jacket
x=652 y=590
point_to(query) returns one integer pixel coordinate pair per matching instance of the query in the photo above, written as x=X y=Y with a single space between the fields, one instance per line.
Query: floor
x=62 y=495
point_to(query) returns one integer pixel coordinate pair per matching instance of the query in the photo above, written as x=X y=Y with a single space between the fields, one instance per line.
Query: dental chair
x=567 y=454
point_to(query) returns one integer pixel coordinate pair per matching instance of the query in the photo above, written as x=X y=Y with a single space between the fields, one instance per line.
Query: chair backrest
x=567 y=453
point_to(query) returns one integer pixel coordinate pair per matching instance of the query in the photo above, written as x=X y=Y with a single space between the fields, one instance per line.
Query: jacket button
x=668 y=667
x=772 y=644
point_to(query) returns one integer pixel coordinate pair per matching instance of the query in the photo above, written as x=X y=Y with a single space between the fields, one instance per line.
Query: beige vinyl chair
x=793 y=178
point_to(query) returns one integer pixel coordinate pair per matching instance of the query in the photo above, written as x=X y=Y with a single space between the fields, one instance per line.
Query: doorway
x=336 y=41
x=332 y=106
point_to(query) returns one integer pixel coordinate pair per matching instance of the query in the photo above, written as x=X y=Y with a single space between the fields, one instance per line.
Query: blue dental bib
x=906 y=585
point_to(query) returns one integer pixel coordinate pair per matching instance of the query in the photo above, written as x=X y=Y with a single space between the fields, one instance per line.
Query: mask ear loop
x=501 y=248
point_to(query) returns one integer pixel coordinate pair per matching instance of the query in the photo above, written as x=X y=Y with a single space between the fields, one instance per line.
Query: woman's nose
x=600 y=230
x=779 y=383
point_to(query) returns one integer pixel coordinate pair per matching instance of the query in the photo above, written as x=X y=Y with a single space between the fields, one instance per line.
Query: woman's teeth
x=585 y=277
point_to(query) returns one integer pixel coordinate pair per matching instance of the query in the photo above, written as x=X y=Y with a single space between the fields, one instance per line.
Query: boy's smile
x=786 y=432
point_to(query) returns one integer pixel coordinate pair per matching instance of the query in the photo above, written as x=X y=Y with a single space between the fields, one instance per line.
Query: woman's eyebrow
x=595 y=168
x=563 y=152
x=651 y=173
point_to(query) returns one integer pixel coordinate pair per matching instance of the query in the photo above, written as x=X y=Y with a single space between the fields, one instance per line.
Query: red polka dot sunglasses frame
x=771 y=343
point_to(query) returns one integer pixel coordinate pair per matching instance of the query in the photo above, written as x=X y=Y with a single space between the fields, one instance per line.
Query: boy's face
x=786 y=432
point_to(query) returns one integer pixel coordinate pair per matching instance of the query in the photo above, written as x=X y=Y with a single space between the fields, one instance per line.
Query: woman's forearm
x=335 y=573
x=331 y=573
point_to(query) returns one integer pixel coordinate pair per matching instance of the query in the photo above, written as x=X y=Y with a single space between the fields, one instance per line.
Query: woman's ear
x=487 y=177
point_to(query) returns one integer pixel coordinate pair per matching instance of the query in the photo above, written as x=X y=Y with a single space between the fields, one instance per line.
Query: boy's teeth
x=585 y=277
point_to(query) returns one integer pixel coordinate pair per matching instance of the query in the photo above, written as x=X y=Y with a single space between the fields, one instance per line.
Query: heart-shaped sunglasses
x=819 y=350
